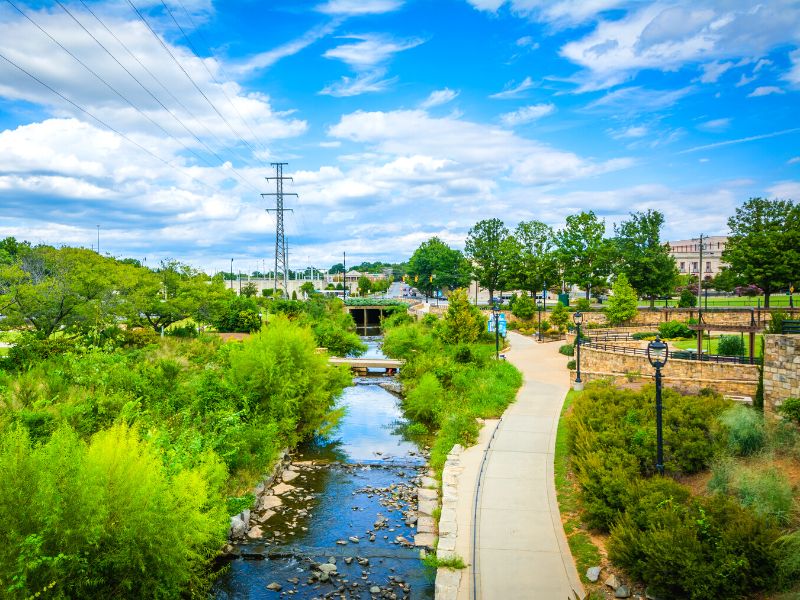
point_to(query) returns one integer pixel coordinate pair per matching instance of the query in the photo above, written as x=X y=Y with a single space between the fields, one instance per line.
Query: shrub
x=567 y=349
x=422 y=403
x=571 y=365
x=463 y=322
x=187 y=330
x=643 y=335
x=545 y=325
x=105 y=519
x=623 y=301
x=687 y=299
x=730 y=345
x=766 y=492
x=788 y=547
x=559 y=317
x=674 y=329
x=523 y=307
x=696 y=548
x=790 y=410
x=776 y=322
x=583 y=305
x=745 y=430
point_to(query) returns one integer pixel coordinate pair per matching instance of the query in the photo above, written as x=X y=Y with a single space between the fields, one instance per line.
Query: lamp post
x=578 y=319
x=231 y=273
x=496 y=316
x=539 y=329
x=657 y=354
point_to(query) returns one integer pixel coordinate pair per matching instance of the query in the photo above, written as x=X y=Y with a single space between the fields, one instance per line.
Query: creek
x=352 y=506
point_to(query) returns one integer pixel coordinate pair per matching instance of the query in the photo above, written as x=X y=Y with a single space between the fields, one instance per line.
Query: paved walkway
x=521 y=552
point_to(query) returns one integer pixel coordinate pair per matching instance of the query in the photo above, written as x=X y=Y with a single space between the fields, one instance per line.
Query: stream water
x=352 y=498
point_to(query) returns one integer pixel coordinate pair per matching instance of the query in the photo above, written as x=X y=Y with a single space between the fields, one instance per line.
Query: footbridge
x=362 y=365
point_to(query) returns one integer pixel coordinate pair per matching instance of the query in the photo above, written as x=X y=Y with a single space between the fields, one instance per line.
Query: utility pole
x=280 y=238
x=700 y=300
x=98 y=239
x=344 y=274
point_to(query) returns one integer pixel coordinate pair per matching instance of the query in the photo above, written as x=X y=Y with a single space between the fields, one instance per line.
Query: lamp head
x=577 y=318
x=657 y=353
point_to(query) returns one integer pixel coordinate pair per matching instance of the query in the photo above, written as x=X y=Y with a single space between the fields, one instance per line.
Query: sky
x=153 y=123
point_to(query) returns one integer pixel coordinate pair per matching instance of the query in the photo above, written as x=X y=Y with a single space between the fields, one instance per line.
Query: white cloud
x=366 y=57
x=633 y=132
x=765 y=90
x=715 y=125
x=359 y=7
x=793 y=161
x=514 y=91
x=266 y=59
x=744 y=80
x=786 y=190
x=751 y=138
x=360 y=84
x=370 y=50
x=714 y=70
x=667 y=37
x=793 y=75
x=527 y=42
x=559 y=13
x=637 y=99
x=526 y=114
x=439 y=97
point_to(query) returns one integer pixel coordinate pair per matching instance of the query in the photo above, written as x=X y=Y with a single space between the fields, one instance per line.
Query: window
x=683 y=267
x=708 y=267
x=694 y=267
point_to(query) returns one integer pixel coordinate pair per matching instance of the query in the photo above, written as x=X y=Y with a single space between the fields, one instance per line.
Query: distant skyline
x=399 y=120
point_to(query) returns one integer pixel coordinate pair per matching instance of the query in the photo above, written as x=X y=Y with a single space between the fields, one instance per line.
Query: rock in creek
x=275 y=586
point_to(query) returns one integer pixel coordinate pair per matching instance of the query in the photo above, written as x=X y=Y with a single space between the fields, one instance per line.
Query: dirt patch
x=227 y=337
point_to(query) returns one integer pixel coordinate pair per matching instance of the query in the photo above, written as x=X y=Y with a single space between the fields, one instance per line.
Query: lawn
x=775 y=301
x=710 y=346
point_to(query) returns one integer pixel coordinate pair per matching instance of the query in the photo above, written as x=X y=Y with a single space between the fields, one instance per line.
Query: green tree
x=622 y=302
x=534 y=261
x=586 y=257
x=249 y=290
x=364 y=285
x=523 y=307
x=308 y=289
x=489 y=248
x=763 y=247
x=642 y=256
x=438 y=266
x=463 y=322
x=560 y=316
x=337 y=268
x=59 y=289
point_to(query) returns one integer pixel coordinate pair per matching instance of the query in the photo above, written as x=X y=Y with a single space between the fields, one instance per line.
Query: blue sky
x=400 y=120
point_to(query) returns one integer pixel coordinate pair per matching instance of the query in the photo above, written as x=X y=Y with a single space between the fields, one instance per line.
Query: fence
x=790 y=327
x=676 y=354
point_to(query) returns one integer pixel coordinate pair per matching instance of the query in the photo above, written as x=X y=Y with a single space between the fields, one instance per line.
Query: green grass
x=583 y=549
x=775 y=300
x=433 y=561
x=692 y=344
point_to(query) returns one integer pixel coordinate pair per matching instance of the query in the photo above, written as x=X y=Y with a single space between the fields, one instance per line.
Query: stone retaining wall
x=448 y=580
x=781 y=369
x=689 y=375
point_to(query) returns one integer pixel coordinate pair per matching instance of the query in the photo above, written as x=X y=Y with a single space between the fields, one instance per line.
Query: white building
x=687 y=256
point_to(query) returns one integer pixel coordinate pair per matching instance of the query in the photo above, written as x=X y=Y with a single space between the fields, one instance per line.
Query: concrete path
x=521 y=551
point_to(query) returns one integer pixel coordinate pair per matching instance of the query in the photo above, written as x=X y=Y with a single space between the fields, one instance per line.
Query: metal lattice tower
x=280 y=237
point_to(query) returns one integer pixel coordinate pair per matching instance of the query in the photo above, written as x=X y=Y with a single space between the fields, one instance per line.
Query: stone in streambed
x=275 y=586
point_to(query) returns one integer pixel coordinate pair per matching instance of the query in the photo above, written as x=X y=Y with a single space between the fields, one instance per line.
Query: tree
x=463 y=322
x=646 y=262
x=59 y=289
x=763 y=247
x=523 y=307
x=622 y=303
x=438 y=266
x=489 y=248
x=560 y=316
x=249 y=290
x=337 y=268
x=533 y=261
x=308 y=289
x=584 y=254
x=364 y=285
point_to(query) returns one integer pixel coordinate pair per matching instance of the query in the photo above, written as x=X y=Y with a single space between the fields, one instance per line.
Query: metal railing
x=676 y=354
x=789 y=326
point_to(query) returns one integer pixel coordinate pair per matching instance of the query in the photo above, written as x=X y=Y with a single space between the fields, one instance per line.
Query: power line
x=189 y=77
x=210 y=74
x=280 y=239
x=99 y=43
x=154 y=78
x=107 y=126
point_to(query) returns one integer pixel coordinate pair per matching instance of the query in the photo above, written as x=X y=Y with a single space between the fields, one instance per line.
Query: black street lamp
x=577 y=318
x=539 y=306
x=657 y=354
x=231 y=273
x=496 y=317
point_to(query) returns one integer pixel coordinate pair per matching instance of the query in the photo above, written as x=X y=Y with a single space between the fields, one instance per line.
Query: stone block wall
x=781 y=369
x=725 y=378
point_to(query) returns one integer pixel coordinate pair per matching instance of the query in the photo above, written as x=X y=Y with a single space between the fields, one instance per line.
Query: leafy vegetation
x=674 y=329
x=449 y=380
x=623 y=301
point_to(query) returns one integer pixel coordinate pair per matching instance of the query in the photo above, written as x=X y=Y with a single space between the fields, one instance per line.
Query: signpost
x=497 y=324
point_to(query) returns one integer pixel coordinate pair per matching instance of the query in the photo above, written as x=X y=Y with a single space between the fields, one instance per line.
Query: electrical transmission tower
x=280 y=238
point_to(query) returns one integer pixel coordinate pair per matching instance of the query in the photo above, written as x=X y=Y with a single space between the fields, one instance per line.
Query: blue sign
x=501 y=325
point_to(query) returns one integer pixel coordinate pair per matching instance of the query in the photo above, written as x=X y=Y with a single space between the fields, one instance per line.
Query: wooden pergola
x=752 y=329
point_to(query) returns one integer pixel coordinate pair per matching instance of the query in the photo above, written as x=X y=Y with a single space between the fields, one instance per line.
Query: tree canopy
x=489 y=247
x=434 y=265
x=534 y=260
x=764 y=244
x=584 y=253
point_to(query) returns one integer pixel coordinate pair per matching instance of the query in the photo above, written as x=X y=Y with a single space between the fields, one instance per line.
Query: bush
x=696 y=548
x=623 y=301
x=523 y=307
x=545 y=325
x=766 y=492
x=788 y=547
x=187 y=330
x=687 y=299
x=790 y=410
x=674 y=329
x=571 y=365
x=730 y=345
x=745 y=430
x=643 y=335
x=776 y=322
x=583 y=305
x=559 y=318
x=423 y=401
x=105 y=519
x=567 y=350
